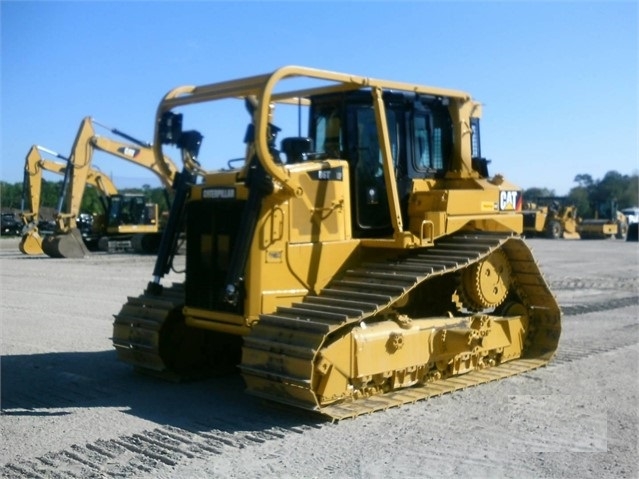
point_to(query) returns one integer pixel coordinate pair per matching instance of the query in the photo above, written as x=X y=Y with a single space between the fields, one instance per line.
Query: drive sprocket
x=484 y=284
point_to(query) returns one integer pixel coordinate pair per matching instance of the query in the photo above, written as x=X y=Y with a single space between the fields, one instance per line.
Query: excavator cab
x=130 y=210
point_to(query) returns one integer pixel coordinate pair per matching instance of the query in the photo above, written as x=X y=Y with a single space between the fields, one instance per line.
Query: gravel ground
x=70 y=409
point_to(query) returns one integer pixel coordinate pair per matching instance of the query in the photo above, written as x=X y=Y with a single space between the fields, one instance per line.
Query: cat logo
x=128 y=151
x=510 y=200
x=218 y=193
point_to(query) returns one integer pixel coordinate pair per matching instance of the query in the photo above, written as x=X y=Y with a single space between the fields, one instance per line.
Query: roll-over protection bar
x=262 y=87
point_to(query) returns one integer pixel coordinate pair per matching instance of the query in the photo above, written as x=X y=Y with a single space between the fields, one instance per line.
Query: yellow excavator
x=118 y=209
x=128 y=217
x=371 y=263
x=35 y=164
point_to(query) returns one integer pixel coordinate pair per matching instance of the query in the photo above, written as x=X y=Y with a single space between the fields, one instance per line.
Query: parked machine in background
x=10 y=225
x=632 y=215
x=551 y=217
x=129 y=219
x=365 y=265
x=608 y=222
x=35 y=164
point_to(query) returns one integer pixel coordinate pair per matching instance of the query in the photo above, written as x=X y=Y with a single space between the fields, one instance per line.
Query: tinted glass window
x=432 y=137
x=328 y=132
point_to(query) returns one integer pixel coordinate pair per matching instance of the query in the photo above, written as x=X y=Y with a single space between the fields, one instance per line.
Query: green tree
x=50 y=194
x=92 y=201
x=10 y=195
x=531 y=194
x=579 y=196
x=590 y=194
x=584 y=181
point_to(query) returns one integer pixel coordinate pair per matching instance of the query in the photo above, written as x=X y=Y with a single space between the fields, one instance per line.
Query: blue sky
x=558 y=80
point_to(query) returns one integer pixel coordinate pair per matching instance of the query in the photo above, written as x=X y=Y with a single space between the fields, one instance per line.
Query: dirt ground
x=70 y=409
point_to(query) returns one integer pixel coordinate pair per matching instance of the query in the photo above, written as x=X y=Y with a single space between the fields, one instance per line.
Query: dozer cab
x=367 y=264
x=551 y=217
x=126 y=220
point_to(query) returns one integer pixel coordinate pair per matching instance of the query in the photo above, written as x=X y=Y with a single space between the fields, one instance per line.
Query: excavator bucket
x=31 y=243
x=67 y=245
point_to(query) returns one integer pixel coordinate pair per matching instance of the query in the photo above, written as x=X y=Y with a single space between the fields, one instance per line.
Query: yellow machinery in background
x=608 y=222
x=369 y=263
x=129 y=218
x=35 y=164
x=551 y=217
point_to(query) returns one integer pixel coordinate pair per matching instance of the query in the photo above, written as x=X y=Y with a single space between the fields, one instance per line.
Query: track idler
x=65 y=245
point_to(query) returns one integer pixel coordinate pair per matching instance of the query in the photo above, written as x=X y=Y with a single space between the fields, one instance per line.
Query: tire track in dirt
x=142 y=453
x=71 y=389
x=570 y=350
x=153 y=450
x=608 y=305
x=630 y=283
x=577 y=425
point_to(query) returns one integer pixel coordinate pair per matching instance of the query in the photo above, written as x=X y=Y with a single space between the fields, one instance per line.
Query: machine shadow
x=54 y=384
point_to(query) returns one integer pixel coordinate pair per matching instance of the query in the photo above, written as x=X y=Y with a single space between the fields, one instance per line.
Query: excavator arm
x=140 y=155
x=67 y=241
x=32 y=185
x=76 y=177
x=31 y=242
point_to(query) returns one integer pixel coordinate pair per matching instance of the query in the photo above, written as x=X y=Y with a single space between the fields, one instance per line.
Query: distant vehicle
x=632 y=214
x=10 y=225
x=551 y=216
x=608 y=222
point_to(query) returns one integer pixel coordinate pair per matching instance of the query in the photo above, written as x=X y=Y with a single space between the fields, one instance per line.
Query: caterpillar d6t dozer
x=368 y=264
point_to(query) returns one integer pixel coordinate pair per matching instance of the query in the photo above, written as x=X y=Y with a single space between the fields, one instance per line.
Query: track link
x=284 y=349
x=150 y=333
x=137 y=329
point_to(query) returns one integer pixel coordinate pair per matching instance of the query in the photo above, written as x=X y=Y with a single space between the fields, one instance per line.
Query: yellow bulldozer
x=551 y=217
x=129 y=219
x=369 y=263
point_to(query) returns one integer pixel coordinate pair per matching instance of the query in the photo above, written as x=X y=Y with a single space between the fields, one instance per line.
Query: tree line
x=586 y=195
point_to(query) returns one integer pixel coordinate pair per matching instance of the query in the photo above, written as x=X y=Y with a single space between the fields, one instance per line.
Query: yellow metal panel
x=272 y=299
x=205 y=315
x=386 y=347
x=316 y=264
x=323 y=212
